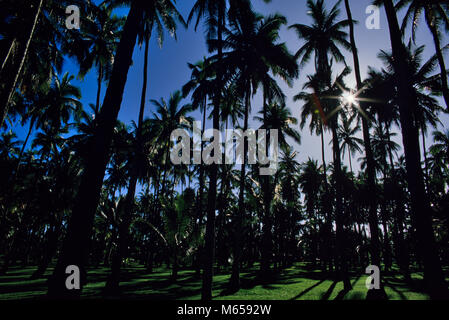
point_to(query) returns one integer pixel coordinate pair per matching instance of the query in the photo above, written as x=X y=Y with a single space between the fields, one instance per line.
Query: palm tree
x=313 y=111
x=95 y=46
x=420 y=206
x=435 y=13
x=425 y=86
x=370 y=164
x=10 y=87
x=154 y=15
x=441 y=143
x=214 y=12
x=327 y=96
x=323 y=37
x=53 y=108
x=348 y=138
x=30 y=18
x=74 y=251
x=253 y=53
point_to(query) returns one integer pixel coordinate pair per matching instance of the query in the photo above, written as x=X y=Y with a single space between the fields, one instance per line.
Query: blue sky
x=168 y=70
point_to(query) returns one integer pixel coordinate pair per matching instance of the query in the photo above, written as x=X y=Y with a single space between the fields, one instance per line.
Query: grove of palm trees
x=92 y=205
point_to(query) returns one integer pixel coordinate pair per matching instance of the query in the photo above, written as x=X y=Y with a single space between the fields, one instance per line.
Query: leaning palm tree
x=437 y=18
x=74 y=250
x=420 y=206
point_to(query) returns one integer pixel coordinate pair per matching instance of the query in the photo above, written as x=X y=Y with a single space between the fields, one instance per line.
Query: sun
x=348 y=98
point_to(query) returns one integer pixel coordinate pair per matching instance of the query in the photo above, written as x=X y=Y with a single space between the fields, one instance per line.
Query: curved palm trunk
x=113 y=282
x=436 y=40
x=370 y=167
x=420 y=206
x=10 y=87
x=75 y=248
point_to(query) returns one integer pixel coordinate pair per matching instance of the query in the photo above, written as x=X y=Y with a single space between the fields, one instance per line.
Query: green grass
x=296 y=283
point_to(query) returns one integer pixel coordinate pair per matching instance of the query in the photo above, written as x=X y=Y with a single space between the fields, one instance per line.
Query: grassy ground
x=297 y=283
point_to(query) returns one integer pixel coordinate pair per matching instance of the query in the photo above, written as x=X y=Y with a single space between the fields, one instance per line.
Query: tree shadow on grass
x=329 y=291
x=308 y=290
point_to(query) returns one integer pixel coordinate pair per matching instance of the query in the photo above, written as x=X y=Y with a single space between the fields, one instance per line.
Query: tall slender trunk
x=350 y=161
x=373 y=220
x=436 y=40
x=328 y=214
x=8 y=91
x=420 y=206
x=200 y=196
x=209 y=246
x=322 y=151
x=75 y=250
x=99 y=82
x=114 y=280
x=390 y=153
x=8 y=54
x=50 y=248
x=234 y=282
x=266 y=250
x=339 y=218
x=424 y=150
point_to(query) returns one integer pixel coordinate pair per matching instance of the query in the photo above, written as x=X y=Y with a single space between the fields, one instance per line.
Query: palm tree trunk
x=322 y=151
x=436 y=40
x=200 y=197
x=234 y=282
x=350 y=161
x=426 y=168
x=99 y=81
x=373 y=220
x=145 y=82
x=6 y=96
x=342 y=271
x=209 y=246
x=8 y=54
x=390 y=154
x=420 y=206
x=113 y=282
x=50 y=248
x=19 y=158
x=266 y=249
x=328 y=223
x=79 y=229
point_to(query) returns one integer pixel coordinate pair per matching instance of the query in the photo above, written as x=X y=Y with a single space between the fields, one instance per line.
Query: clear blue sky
x=169 y=71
